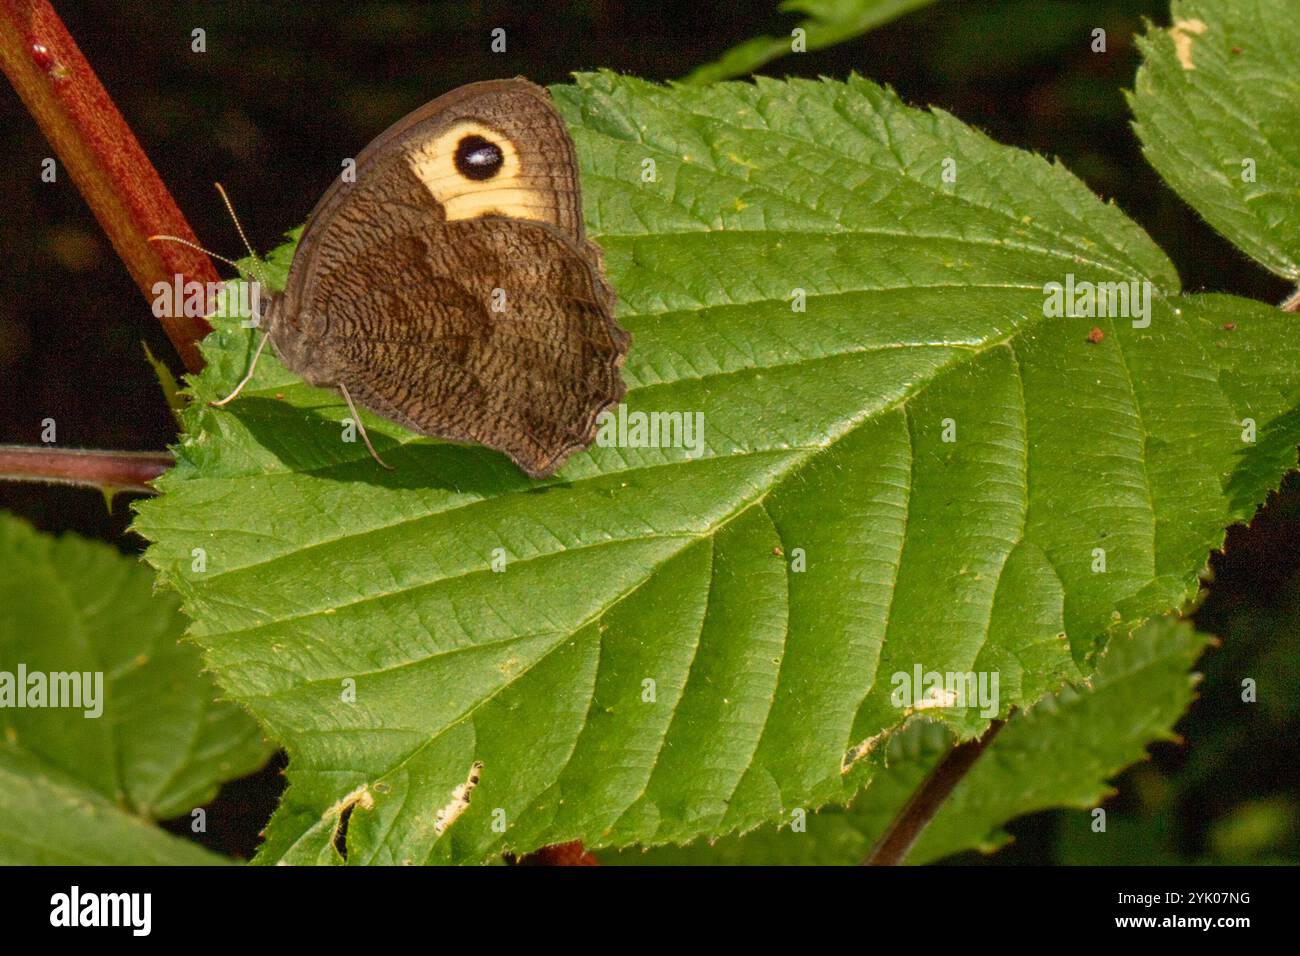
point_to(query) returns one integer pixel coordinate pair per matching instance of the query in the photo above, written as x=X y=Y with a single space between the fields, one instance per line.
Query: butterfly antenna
x=362 y=428
x=260 y=345
x=192 y=245
x=239 y=228
x=259 y=275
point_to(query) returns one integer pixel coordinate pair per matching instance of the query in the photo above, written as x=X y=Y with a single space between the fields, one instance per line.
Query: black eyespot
x=478 y=158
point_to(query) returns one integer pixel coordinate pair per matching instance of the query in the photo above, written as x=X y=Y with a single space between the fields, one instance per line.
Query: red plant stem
x=926 y=800
x=105 y=161
x=561 y=854
x=107 y=470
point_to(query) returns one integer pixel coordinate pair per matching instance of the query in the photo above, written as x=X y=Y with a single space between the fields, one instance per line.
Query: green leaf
x=829 y=22
x=166 y=381
x=1247 y=697
x=1059 y=754
x=152 y=745
x=824 y=432
x=1217 y=102
x=52 y=818
x=1254 y=830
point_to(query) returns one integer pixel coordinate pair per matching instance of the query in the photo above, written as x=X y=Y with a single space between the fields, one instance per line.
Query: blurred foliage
x=828 y=22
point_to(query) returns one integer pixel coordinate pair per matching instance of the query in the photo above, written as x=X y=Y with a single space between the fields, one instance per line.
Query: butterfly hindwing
x=517 y=353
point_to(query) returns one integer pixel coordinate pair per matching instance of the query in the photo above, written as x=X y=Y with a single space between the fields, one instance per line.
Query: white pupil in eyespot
x=478 y=158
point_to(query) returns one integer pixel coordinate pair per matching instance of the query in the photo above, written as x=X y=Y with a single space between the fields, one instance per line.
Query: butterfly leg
x=362 y=428
x=252 y=366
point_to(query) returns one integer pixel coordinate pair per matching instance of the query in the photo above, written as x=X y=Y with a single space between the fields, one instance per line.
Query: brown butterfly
x=451 y=287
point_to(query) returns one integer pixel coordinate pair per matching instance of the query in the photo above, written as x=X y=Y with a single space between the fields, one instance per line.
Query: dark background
x=285 y=91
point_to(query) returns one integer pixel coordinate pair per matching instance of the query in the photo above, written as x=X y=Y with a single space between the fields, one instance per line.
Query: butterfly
x=450 y=287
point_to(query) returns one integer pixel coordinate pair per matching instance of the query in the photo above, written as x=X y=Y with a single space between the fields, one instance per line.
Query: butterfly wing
x=516 y=351
x=451 y=287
